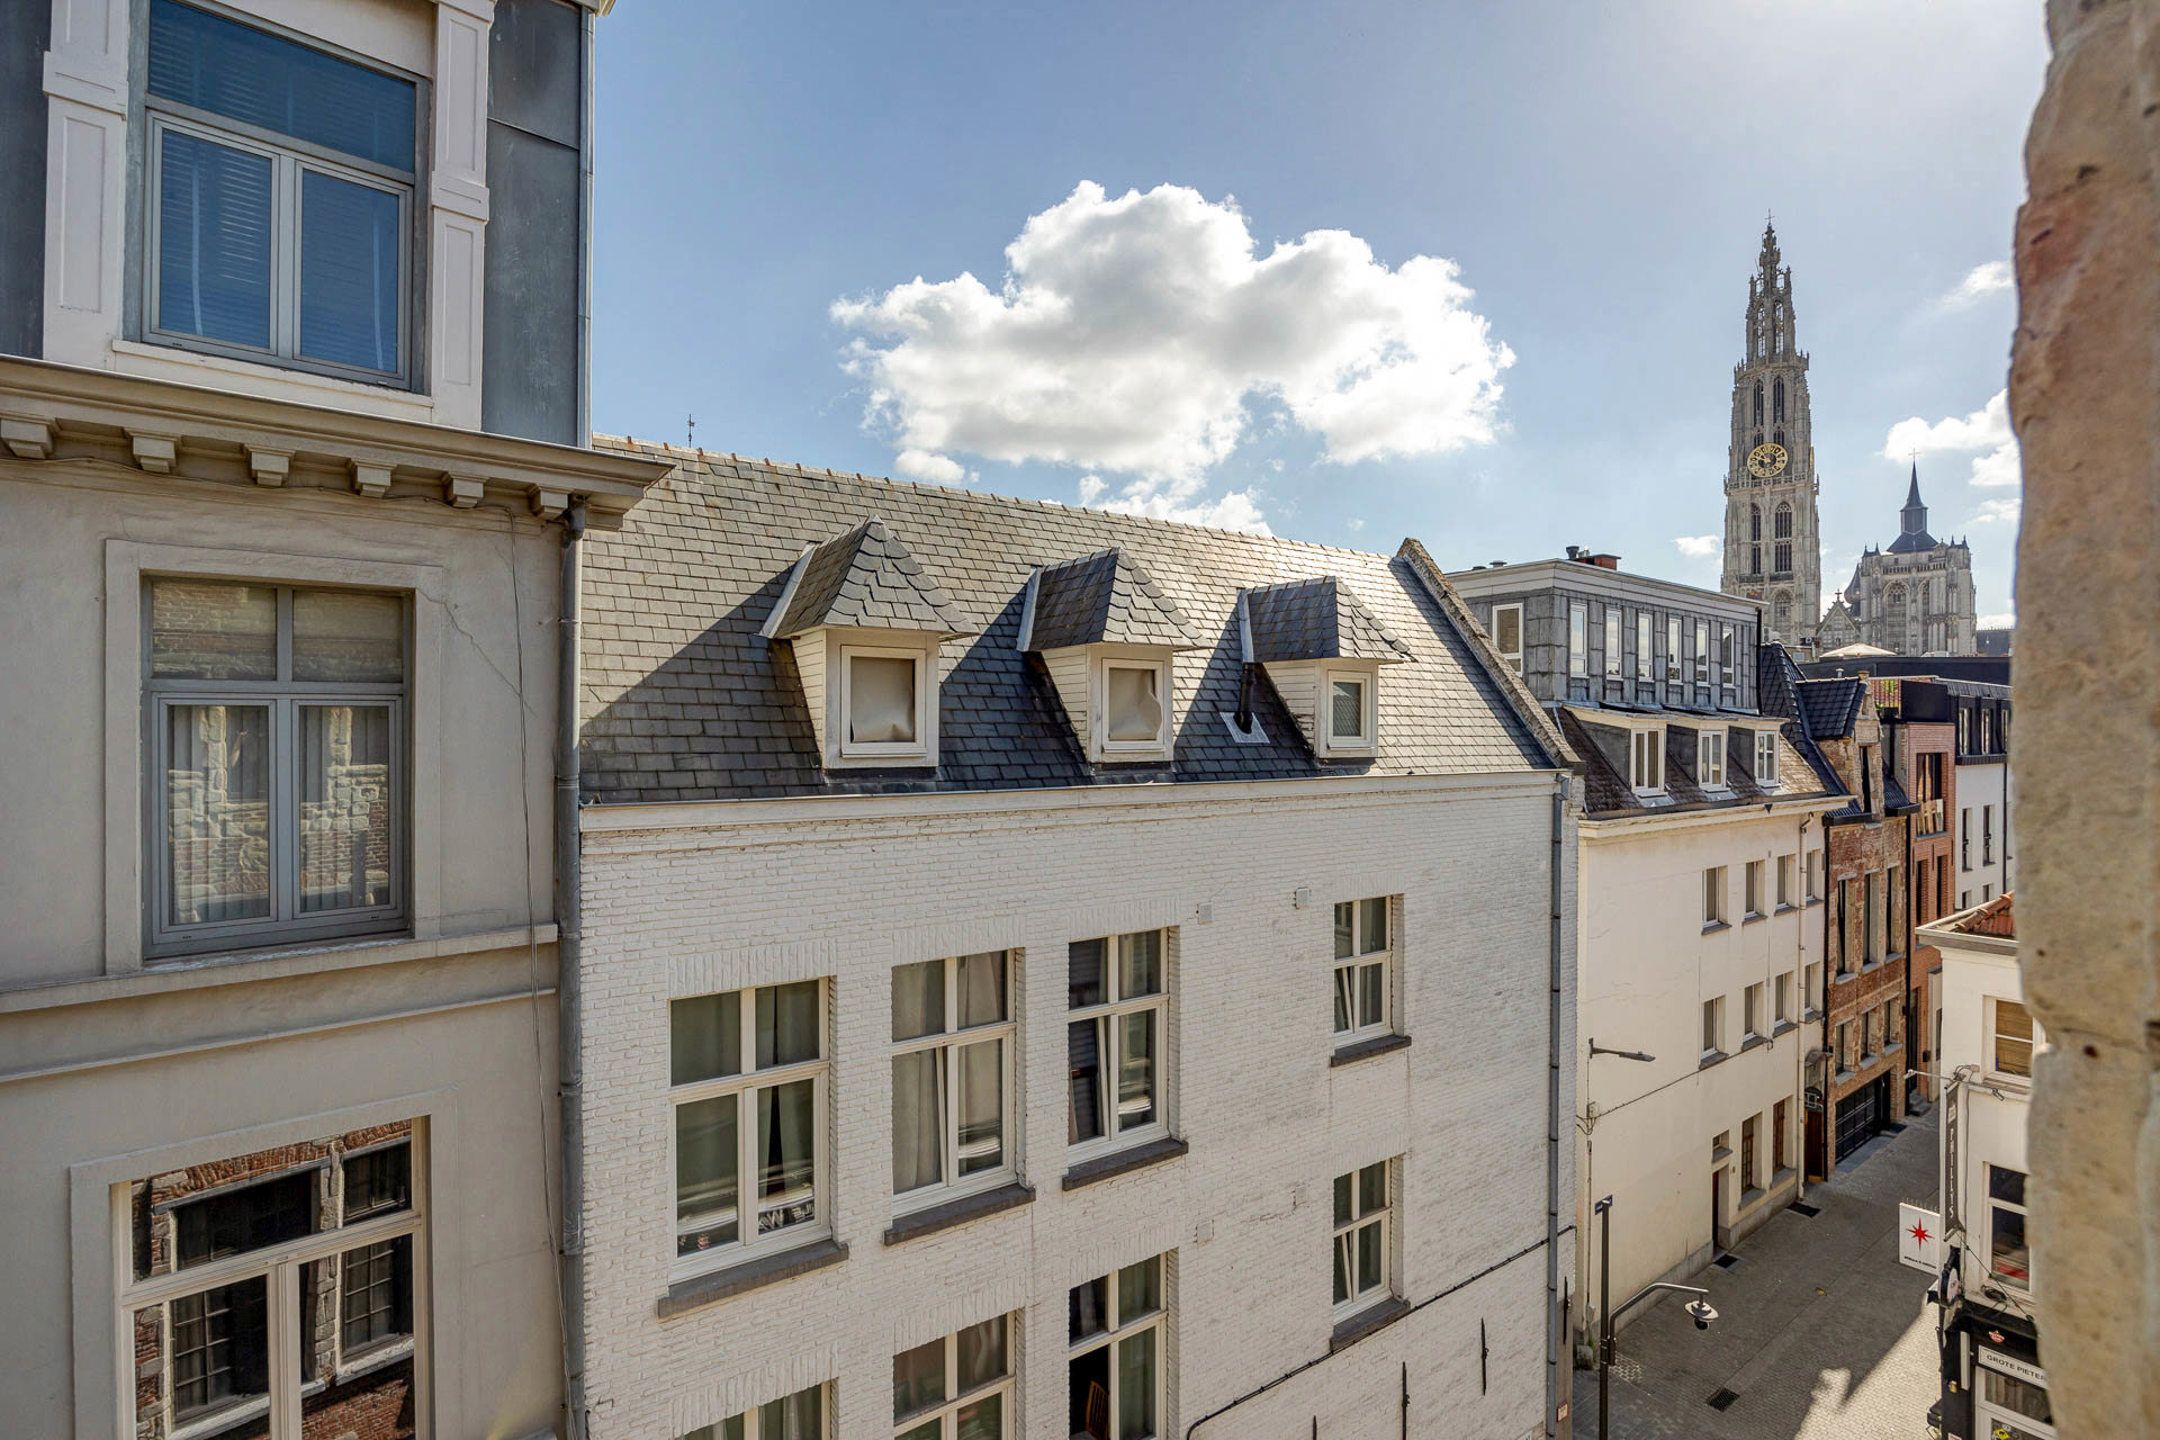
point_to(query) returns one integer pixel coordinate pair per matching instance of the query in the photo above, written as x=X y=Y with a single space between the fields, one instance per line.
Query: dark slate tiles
x=1105 y=598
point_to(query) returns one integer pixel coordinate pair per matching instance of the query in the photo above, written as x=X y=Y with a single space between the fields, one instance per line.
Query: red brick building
x=1919 y=720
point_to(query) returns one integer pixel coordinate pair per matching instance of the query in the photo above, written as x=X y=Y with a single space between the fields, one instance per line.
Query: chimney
x=1575 y=552
x=1604 y=561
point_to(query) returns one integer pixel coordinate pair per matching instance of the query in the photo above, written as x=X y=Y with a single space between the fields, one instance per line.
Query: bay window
x=274 y=1295
x=959 y=1387
x=280 y=194
x=1118 y=1013
x=1364 y=979
x=1115 y=1330
x=952 y=1031
x=748 y=1073
x=276 y=741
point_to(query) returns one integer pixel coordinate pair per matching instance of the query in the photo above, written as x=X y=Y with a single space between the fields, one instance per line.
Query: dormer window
x=1507 y=634
x=1766 y=757
x=1322 y=650
x=1710 y=759
x=1646 y=761
x=1349 y=710
x=1108 y=636
x=866 y=625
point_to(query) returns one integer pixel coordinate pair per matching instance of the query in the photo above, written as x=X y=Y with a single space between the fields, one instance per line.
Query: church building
x=1772 y=550
x=1914 y=598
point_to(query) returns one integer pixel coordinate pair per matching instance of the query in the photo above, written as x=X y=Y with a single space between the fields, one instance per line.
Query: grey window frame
x=290 y=156
x=284 y=699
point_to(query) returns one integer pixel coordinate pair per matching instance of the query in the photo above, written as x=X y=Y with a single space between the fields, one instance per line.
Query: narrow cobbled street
x=1821 y=1333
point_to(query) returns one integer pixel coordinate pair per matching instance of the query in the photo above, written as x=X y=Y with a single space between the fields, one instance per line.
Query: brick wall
x=736 y=898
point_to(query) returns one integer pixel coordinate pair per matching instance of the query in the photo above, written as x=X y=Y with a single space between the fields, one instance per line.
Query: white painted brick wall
x=686 y=910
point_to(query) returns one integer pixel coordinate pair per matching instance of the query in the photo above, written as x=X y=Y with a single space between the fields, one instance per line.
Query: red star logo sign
x=1919 y=1233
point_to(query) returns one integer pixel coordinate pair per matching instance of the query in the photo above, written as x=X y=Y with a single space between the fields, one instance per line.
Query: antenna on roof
x=690 y=432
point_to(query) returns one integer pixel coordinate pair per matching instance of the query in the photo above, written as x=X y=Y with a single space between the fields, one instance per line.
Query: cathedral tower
x=1772 y=552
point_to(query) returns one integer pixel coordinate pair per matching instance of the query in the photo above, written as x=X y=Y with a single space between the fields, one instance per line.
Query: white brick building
x=749 y=858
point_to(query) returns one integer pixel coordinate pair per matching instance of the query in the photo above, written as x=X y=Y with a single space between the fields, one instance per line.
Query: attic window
x=1507 y=634
x=1646 y=761
x=1710 y=759
x=1134 y=715
x=1766 y=753
x=1349 y=711
x=881 y=697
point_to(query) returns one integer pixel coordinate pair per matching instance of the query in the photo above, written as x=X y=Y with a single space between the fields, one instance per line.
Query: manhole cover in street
x=1723 y=1400
x=1811 y=1211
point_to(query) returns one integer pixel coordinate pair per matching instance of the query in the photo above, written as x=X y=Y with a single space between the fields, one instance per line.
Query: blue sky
x=772 y=178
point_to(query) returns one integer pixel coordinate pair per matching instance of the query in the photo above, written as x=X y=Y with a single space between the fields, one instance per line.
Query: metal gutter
x=1554 y=1341
x=569 y=984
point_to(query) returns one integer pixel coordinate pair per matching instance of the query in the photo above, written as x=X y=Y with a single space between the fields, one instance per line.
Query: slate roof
x=686 y=700
x=1105 y=598
x=1829 y=707
x=865 y=577
x=1317 y=619
x=1606 y=792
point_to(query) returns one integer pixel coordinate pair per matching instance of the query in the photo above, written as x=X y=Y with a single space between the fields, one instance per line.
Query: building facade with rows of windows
x=291 y=385
x=1699 y=898
x=1051 y=974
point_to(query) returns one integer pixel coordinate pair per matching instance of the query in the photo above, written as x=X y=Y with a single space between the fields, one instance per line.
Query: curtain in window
x=1135 y=708
x=1348 y=710
x=345 y=819
x=1136 y=1071
x=214 y=220
x=787 y=1147
x=217 y=806
x=1136 y=1387
x=706 y=1159
x=982 y=988
x=788 y=1024
x=881 y=700
x=982 y=1106
x=918 y=1120
x=800 y=1416
x=1084 y=1059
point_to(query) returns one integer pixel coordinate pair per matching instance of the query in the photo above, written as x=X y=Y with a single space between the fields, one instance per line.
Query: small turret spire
x=1912 y=498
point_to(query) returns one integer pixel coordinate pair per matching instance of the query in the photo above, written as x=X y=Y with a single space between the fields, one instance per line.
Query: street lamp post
x=1699 y=1310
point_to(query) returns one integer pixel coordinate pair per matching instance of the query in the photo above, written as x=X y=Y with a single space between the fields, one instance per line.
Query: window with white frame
x=275 y=1294
x=800 y=1416
x=1728 y=656
x=2009 y=1257
x=1812 y=977
x=1754 y=885
x=1710 y=759
x=281 y=186
x=1646 y=760
x=2010 y=1407
x=1702 y=652
x=1118 y=1013
x=1507 y=634
x=1115 y=1333
x=1751 y=1017
x=275 y=763
x=1814 y=874
x=1135 y=707
x=1713 y=1026
x=883 y=698
x=2011 y=1038
x=1364 y=1243
x=1783 y=1014
x=1642 y=646
x=1364 y=970
x=748 y=1073
x=952 y=1076
x=1786 y=866
x=1578 y=639
x=1713 y=895
x=1766 y=757
x=1672 y=650
x=1349 y=718
x=1612 y=642
x=958 y=1387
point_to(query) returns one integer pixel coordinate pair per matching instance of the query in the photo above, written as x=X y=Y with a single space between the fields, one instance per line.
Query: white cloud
x=931 y=466
x=1236 y=510
x=1698 y=547
x=1985 y=431
x=1091 y=489
x=1135 y=335
x=1980 y=282
x=1356 y=523
x=1994 y=512
x=1997 y=622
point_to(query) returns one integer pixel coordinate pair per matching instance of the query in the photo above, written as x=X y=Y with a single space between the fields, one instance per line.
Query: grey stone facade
x=1915 y=596
x=1773 y=550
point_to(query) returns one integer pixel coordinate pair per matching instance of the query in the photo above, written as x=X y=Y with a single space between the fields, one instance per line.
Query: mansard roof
x=685 y=699
x=1104 y=599
x=1829 y=708
x=1603 y=753
x=1316 y=619
x=866 y=578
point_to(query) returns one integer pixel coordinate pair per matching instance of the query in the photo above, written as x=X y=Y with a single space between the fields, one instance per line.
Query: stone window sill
x=1140 y=1157
x=1366 y=1049
x=1719 y=1154
x=1779 y=1179
x=1785 y=909
x=1781 y=1027
x=1749 y=1199
x=949 y=1213
x=1846 y=978
x=700 y=1290
x=1712 y=1057
x=1368 y=1322
x=1753 y=1042
x=1712 y=927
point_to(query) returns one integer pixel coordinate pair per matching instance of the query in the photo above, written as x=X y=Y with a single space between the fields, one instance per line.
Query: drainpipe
x=585 y=198
x=1800 y=969
x=569 y=984
x=1553 y=1131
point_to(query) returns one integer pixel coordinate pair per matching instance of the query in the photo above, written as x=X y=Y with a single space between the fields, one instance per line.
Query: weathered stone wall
x=2085 y=397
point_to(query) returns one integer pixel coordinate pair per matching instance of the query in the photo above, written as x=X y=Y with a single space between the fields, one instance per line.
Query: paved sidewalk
x=1821 y=1332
